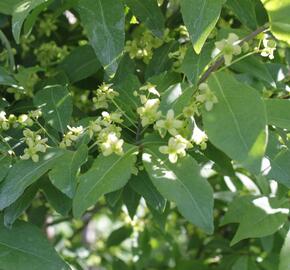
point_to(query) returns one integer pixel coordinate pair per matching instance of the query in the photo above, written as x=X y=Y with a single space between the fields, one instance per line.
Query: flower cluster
x=229 y=47
x=103 y=95
x=35 y=145
x=23 y=120
x=178 y=127
x=269 y=48
x=71 y=136
x=142 y=46
x=178 y=56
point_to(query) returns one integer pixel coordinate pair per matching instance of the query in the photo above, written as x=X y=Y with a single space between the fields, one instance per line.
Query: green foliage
x=144 y=134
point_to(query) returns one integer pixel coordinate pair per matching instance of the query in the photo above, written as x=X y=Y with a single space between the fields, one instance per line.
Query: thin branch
x=7 y=45
x=216 y=65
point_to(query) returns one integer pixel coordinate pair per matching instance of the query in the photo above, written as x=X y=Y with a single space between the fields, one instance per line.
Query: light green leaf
x=23 y=174
x=237 y=123
x=7 y=6
x=21 y=12
x=106 y=175
x=63 y=175
x=257 y=216
x=149 y=13
x=142 y=184
x=284 y=255
x=104 y=22
x=278 y=112
x=278 y=11
x=25 y=247
x=80 y=64
x=182 y=184
x=55 y=103
x=200 y=17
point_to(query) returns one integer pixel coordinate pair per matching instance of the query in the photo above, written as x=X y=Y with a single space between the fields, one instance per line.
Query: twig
x=7 y=45
x=216 y=65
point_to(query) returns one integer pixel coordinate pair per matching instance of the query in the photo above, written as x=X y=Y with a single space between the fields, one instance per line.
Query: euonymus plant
x=144 y=134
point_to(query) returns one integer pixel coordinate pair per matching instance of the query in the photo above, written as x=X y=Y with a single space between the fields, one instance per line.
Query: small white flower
x=170 y=124
x=206 y=96
x=149 y=112
x=229 y=47
x=269 y=48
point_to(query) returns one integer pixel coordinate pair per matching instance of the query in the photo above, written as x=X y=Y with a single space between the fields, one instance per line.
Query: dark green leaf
x=106 y=175
x=257 y=216
x=200 y=17
x=104 y=22
x=118 y=236
x=131 y=199
x=278 y=112
x=56 y=104
x=23 y=174
x=149 y=13
x=25 y=247
x=245 y=11
x=80 y=64
x=284 y=255
x=20 y=13
x=182 y=184
x=142 y=184
x=63 y=175
x=237 y=123
x=12 y=212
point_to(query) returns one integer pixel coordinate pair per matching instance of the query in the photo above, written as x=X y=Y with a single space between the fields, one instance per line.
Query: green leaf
x=237 y=123
x=5 y=162
x=80 y=63
x=63 y=175
x=200 y=17
x=118 y=236
x=55 y=103
x=278 y=112
x=106 y=175
x=149 y=13
x=7 y=6
x=104 y=22
x=182 y=184
x=257 y=216
x=193 y=64
x=23 y=174
x=284 y=255
x=20 y=14
x=245 y=10
x=12 y=212
x=6 y=78
x=60 y=202
x=25 y=247
x=160 y=61
x=142 y=184
x=131 y=199
x=176 y=97
x=278 y=11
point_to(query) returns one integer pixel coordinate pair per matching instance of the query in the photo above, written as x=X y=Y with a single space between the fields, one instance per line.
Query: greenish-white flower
x=72 y=135
x=169 y=124
x=206 y=96
x=176 y=148
x=229 y=47
x=269 y=48
x=113 y=144
x=149 y=112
